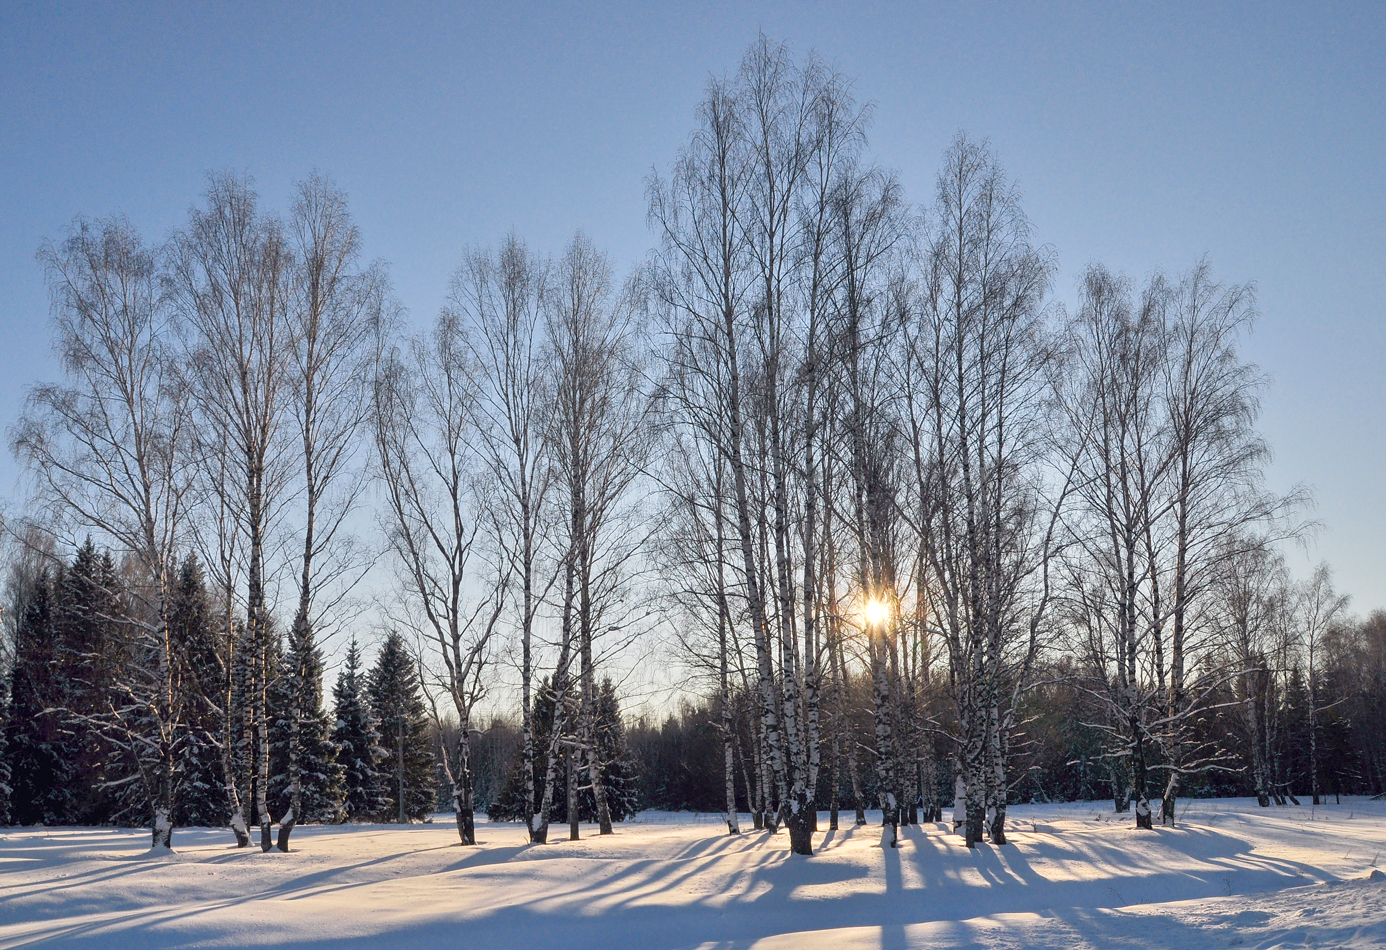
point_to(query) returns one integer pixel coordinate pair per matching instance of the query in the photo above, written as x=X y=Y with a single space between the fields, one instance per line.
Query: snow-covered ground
x=1075 y=876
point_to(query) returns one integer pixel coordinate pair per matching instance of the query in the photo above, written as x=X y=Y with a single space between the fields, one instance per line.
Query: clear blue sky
x=1142 y=136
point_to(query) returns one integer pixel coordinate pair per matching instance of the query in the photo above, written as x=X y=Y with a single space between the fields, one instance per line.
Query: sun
x=876 y=612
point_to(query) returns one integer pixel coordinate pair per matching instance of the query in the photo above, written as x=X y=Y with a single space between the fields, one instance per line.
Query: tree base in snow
x=799 y=824
x=286 y=828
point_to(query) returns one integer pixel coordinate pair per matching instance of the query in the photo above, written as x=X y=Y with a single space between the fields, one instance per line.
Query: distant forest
x=916 y=534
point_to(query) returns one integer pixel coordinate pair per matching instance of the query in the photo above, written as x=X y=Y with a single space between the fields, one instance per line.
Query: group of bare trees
x=894 y=457
x=233 y=393
x=883 y=454
x=1170 y=514
x=213 y=397
x=509 y=442
x=1272 y=630
x=860 y=396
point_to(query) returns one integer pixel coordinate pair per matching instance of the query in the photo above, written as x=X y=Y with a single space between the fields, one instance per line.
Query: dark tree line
x=1061 y=749
x=70 y=662
x=380 y=738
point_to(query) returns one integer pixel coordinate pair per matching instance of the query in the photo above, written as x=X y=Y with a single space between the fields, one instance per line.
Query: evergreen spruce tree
x=320 y=776
x=509 y=805
x=1338 y=758
x=623 y=792
x=241 y=744
x=201 y=798
x=1294 y=739
x=85 y=608
x=393 y=688
x=40 y=773
x=622 y=789
x=357 y=738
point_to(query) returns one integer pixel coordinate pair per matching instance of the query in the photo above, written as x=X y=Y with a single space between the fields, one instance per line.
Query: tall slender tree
x=499 y=299
x=600 y=437
x=423 y=414
x=1318 y=609
x=705 y=282
x=108 y=448
x=232 y=282
x=335 y=313
x=978 y=345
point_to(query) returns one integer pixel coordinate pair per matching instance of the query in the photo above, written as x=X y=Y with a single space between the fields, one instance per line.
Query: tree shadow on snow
x=622 y=898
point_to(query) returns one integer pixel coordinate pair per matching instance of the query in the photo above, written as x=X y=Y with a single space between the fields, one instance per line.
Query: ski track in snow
x=1075 y=876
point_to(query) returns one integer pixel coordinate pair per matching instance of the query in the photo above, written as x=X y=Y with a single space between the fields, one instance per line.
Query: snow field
x=1076 y=876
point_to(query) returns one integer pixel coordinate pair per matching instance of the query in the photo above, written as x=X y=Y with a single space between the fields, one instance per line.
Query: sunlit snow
x=1075 y=876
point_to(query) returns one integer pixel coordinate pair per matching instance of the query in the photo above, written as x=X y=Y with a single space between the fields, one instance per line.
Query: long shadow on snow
x=609 y=907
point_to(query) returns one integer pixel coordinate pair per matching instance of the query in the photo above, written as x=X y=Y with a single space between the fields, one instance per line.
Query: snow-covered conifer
x=41 y=780
x=393 y=688
x=357 y=738
x=298 y=693
x=618 y=767
x=201 y=794
x=4 y=758
x=89 y=660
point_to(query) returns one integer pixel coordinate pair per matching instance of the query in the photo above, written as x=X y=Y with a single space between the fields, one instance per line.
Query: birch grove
x=877 y=491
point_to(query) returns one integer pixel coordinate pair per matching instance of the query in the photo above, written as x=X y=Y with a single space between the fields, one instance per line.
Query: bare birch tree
x=867 y=218
x=600 y=434
x=777 y=102
x=1216 y=491
x=980 y=357
x=1317 y=609
x=334 y=318
x=499 y=296
x=231 y=281
x=217 y=532
x=701 y=277
x=692 y=553
x=422 y=416
x=1249 y=593
x=109 y=448
x=1120 y=448
x=829 y=194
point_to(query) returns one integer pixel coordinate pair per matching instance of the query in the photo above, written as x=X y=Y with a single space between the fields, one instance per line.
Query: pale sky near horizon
x=1142 y=136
